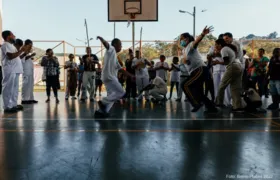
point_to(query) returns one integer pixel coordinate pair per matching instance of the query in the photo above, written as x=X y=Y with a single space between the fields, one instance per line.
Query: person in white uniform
x=159 y=89
x=109 y=77
x=162 y=68
x=27 y=92
x=184 y=74
x=141 y=74
x=11 y=70
x=175 y=76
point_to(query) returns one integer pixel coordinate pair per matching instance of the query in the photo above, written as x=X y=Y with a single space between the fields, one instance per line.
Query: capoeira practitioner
x=157 y=90
x=184 y=74
x=11 y=71
x=142 y=74
x=228 y=37
x=232 y=75
x=193 y=86
x=89 y=60
x=109 y=77
x=27 y=94
x=71 y=75
x=219 y=70
x=175 y=76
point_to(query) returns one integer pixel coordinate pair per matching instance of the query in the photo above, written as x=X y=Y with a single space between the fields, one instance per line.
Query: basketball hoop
x=132 y=11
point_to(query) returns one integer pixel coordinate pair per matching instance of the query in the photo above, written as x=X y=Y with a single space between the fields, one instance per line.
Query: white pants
x=142 y=82
x=27 y=88
x=115 y=92
x=180 y=90
x=217 y=79
x=89 y=84
x=158 y=93
x=10 y=90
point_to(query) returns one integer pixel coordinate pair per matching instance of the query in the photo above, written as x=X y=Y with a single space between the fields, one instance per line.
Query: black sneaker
x=66 y=99
x=26 y=102
x=178 y=100
x=34 y=102
x=91 y=100
x=238 y=110
x=82 y=100
x=102 y=106
x=273 y=107
x=19 y=107
x=195 y=109
x=99 y=114
x=11 y=110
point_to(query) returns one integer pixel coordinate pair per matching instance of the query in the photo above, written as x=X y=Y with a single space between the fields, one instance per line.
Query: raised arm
x=12 y=56
x=105 y=43
x=205 y=31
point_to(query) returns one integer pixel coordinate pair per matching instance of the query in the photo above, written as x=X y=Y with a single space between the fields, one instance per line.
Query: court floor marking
x=138 y=131
x=141 y=119
x=269 y=119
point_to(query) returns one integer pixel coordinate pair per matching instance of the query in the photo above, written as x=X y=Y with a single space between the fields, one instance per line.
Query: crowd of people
x=232 y=79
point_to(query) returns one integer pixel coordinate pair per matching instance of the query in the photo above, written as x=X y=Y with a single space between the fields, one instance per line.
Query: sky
x=64 y=19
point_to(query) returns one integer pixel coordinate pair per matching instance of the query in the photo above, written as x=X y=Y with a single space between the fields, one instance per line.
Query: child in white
x=175 y=76
x=162 y=68
x=109 y=77
x=141 y=74
x=28 y=78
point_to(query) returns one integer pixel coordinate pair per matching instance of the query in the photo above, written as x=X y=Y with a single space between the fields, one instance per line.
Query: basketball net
x=131 y=17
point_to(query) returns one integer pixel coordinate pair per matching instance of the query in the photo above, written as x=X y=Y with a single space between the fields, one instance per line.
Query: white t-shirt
x=239 y=50
x=160 y=84
x=28 y=66
x=7 y=64
x=194 y=58
x=227 y=52
x=175 y=74
x=111 y=65
x=142 y=72
x=17 y=66
x=219 y=67
x=162 y=73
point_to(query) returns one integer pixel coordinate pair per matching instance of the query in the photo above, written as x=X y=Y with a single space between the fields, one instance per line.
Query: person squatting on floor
x=109 y=77
x=193 y=86
x=232 y=76
x=51 y=68
x=27 y=92
x=11 y=69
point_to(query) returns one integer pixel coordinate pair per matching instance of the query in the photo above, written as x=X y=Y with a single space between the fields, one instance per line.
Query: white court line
x=139 y=119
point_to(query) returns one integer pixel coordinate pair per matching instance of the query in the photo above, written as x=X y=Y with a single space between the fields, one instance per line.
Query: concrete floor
x=139 y=141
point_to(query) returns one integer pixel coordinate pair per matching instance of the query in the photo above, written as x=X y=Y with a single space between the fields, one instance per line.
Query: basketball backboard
x=132 y=10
